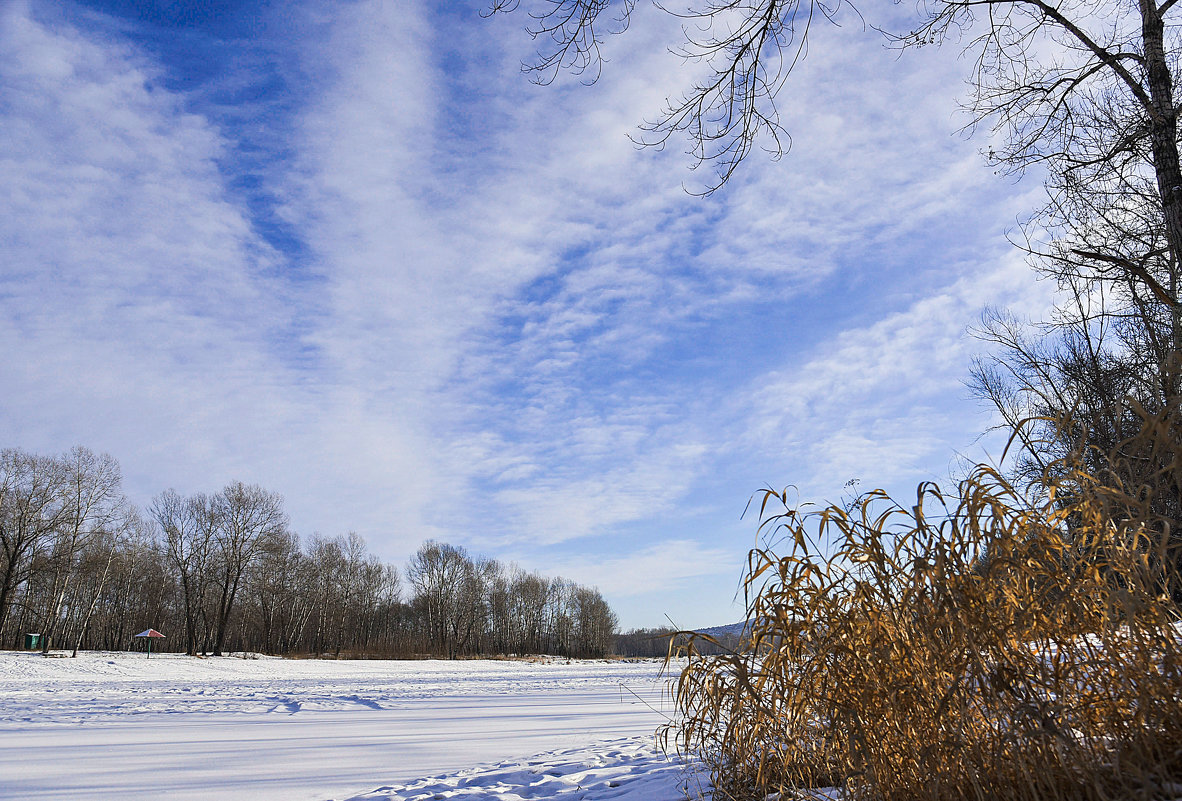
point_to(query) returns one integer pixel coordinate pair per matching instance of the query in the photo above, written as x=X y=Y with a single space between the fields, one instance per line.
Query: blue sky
x=347 y=251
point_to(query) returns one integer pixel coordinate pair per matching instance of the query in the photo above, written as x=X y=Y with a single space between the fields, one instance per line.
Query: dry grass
x=976 y=646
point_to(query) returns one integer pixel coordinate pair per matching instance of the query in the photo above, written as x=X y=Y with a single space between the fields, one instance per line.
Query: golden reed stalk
x=980 y=645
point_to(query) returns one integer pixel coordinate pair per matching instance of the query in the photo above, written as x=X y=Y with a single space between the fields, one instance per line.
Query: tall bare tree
x=528 y=594
x=247 y=514
x=283 y=585
x=445 y=581
x=30 y=509
x=188 y=526
x=89 y=506
x=128 y=527
x=1085 y=89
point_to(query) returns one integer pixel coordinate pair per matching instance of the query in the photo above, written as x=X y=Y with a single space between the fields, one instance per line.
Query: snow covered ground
x=117 y=725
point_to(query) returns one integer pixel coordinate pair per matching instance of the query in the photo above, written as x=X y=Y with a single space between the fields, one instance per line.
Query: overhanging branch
x=1136 y=269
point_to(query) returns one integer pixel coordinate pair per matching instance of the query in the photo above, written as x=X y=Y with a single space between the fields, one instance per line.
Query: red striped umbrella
x=151 y=634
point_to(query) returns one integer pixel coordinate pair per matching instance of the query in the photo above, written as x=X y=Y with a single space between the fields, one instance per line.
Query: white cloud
x=887 y=402
x=507 y=325
x=128 y=270
x=144 y=305
x=658 y=567
x=422 y=278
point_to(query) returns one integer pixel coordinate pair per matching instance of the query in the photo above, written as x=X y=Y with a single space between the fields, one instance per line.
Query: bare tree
x=498 y=600
x=1085 y=91
x=246 y=515
x=108 y=546
x=528 y=597
x=350 y=585
x=283 y=593
x=595 y=623
x=30 y=509
x=443 y=578
x=138 y=589
x=90 y=502
x=188 y=526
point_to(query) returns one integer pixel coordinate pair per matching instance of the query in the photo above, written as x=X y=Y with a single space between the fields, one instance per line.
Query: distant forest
x=655 y=642
x=85 y=569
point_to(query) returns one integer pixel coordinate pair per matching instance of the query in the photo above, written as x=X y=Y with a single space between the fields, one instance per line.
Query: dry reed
x=976 y=646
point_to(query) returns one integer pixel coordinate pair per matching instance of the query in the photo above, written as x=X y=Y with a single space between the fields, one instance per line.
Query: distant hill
x=731 y=629
x=655 y=642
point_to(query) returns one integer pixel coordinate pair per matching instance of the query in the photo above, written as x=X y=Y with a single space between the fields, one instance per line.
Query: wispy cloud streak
x=453 y=304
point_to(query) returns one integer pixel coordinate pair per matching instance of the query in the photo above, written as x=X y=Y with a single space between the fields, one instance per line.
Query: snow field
x=118 y=725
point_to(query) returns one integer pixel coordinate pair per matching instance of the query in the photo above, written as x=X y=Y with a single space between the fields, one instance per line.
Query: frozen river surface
x=115 y=725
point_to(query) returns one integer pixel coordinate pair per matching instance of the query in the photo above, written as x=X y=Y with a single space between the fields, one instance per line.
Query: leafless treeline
x=656 y=642
x=83 y=568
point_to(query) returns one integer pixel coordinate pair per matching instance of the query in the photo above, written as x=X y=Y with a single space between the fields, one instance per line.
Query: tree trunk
x=53 y=614
x=1163 y=126
x=93 y=602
